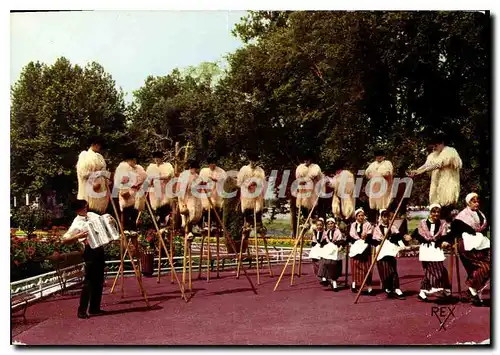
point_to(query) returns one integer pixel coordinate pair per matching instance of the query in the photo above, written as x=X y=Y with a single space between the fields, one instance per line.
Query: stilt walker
x=308 y=176
x=444 y=165
x=380 y=175
x=213 y=177
x=252 y=183
x=190 y=207
x=343 y=202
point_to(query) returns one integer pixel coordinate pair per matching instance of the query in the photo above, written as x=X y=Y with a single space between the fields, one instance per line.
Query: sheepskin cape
x=445 y=181
x=158 y=196
x=246 y=176
x=89 y=163
x=376 y=171
x=130 y=183
x=343 y=185
x=220 y=176
x=309 y=176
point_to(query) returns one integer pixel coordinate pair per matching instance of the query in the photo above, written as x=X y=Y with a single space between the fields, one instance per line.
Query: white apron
x=357 y=248
x=333 y=252
x=316 y=252
x=430 y=253
x=475 y=241
x=389 y=249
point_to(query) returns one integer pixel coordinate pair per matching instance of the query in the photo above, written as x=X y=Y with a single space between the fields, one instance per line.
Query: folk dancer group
x=440 y=231
x=329 y=246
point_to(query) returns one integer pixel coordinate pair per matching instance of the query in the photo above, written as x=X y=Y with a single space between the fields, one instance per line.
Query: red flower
x=149 y=239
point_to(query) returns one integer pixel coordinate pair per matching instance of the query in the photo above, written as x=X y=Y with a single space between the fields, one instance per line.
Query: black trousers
x=162 y=213
x=129 y=217
x=94 y=280
x=248 y=215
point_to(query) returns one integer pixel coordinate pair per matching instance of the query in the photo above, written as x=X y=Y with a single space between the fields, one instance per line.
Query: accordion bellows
x=102 y=231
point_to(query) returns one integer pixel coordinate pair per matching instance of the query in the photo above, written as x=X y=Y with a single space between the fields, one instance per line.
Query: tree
x=54 y=110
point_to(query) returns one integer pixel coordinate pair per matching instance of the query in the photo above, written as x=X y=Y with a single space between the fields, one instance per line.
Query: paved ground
x=226 y=312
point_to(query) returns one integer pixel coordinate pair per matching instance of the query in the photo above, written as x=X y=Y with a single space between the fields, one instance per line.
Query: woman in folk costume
x=431 y=234
x=159 y=174
x=360 y=236
x=251 y=180
x=92 y=187
x=318 y=241
x=444 y=166
x=380 y=174
x=343 y=184
x=129 y=180
x=190 y=198
x=333 y=254
x=308 y=176
x=215 y=176
x=470 y=227
x=386 y=260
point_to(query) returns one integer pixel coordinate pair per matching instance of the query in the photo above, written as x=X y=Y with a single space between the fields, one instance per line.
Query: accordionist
x=94 y=261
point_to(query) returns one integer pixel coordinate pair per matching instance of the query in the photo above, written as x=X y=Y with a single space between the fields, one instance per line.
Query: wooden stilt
x=240 y=256
x=200 y=263
x=299 y=213
x=300 y=256
x=230 y=240
x=217 y=236
x=457 y=266
x=297 y=240
x=267 y=255
x=123 y=252
x=256 y=244
x=190 y=275
x=159 y=258
x=209 y=259
x=169 y=256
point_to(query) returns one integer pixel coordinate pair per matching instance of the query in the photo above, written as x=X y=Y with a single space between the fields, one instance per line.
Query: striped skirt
x=477 y=264
x=330 y=269
x=387 y=269
x=435 y=275
x=360 y=264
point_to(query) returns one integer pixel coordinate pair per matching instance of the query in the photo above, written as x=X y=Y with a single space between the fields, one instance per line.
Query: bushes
x=31 y=218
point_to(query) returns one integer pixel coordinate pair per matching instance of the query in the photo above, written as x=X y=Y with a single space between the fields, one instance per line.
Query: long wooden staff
x=458 y=268
x=208 y=246
x=297 y=239
x=230 y=240
x=379 y=249
x=256 y=242
x=166 y=251
x=122 y=261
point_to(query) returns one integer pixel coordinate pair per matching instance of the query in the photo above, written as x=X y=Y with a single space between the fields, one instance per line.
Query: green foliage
x=54 y=110
x=30 y=218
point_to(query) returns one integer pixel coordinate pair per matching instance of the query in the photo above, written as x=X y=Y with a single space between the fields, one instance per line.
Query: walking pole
x=230 y=240
x=457 y=265
x=218 y=257
x=379 y=249
x=297 y=239
x=295 y=251
x=181 y=287
x=208 y=246
x=256 y=243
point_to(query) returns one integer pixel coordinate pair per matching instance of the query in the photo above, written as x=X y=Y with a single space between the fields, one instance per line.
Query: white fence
x=44 y=285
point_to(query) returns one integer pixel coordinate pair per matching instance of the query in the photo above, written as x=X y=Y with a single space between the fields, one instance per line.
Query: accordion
x=102 y=231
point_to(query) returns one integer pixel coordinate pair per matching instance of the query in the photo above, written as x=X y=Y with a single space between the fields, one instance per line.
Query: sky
x=130 y=45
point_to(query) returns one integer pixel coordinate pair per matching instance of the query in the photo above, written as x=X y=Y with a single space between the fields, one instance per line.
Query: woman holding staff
x=386 y=260
x=469 y=228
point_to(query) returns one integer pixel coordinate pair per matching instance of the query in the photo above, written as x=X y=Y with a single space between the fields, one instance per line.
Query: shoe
x=97 y=313
x=476 y=301
x=334 y=287
x=82 y=315
x=390 y=294
x=369 y=293
x=423 y=299
x=400 y=297
x=354 y=290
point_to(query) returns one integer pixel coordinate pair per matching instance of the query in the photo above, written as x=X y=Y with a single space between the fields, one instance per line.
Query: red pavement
x=226 y=312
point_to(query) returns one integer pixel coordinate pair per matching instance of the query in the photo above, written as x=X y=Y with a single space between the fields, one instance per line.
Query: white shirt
x=80 y=224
